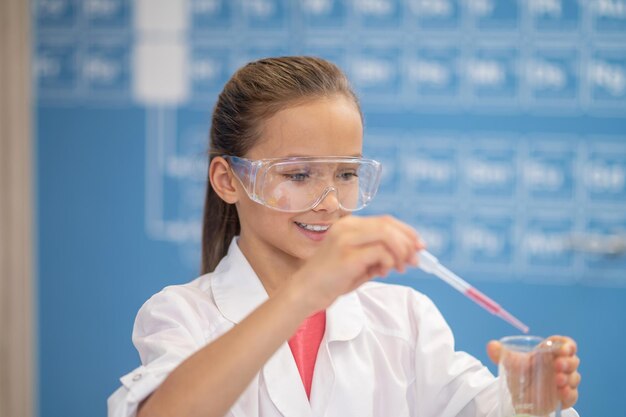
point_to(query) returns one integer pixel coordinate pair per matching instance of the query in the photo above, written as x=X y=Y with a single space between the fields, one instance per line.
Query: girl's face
x=322 y=127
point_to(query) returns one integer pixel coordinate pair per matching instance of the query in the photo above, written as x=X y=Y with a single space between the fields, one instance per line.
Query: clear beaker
x=527 y=386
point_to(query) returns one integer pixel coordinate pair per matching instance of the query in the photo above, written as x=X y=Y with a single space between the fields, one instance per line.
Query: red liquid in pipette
x=483 y=300
x=431 y=264
x=494 y=308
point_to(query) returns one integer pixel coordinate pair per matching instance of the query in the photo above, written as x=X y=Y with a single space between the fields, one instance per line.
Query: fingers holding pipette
x=384 y=265
x=355 y=250
x=401 y=240
x=412 y=246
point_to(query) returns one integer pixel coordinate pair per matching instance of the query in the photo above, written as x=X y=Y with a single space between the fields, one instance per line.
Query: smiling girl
x=285 y=320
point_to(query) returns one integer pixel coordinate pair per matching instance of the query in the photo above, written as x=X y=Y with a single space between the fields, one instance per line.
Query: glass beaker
x=527 y=386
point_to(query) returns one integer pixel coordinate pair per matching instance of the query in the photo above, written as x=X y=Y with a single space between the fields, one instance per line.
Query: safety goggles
x=300 y=183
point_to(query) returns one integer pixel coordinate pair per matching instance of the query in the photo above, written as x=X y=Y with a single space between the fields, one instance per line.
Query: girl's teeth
x=313 y=227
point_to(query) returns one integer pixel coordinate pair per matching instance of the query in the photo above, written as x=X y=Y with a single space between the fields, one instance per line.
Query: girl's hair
x=254 y=93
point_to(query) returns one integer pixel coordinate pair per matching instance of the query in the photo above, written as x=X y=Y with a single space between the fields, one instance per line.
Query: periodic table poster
x=500 y=124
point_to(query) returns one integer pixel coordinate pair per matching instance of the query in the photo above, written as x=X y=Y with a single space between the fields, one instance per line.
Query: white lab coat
x=386 y=352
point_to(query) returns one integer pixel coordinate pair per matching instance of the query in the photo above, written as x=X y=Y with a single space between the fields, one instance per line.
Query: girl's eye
x=347 y=175
x=297 y=176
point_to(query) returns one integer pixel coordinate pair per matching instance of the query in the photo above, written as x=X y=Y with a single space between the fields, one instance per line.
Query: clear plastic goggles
x=301 y=183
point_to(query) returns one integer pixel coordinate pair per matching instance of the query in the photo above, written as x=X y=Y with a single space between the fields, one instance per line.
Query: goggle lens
x=300 y=184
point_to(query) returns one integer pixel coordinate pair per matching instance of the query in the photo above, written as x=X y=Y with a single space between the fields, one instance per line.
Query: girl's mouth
x=316 y=228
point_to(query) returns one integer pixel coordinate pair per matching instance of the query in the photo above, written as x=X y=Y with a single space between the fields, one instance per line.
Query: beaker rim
x=528 y=343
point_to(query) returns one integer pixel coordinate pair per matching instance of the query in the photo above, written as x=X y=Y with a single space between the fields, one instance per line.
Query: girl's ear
x=223 y=181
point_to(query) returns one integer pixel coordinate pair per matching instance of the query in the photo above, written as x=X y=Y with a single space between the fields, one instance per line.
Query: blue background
x=501 y=127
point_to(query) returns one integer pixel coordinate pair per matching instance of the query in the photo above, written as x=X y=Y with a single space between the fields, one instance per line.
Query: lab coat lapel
x=344 y=321
x=284 y=384
x=323 y=384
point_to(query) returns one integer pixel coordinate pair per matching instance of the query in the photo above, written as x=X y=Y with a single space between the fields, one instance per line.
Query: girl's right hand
x=356 y=250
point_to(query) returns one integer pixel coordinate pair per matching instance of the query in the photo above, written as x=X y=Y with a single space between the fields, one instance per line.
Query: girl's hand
x=356 y=250
x=565 y=362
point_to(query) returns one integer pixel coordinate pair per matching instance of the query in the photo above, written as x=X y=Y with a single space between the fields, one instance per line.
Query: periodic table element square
x=266 y=14
x=552 y=77
x=160 y=71
x=436 y=14
x=154 y=16
x=545 y=242
x=324 y=14
x=600 y=268
x=431 y=168
x=189 y=161
x=374 y=14
x=490 y=169
x=494 y=15
x=492 y=76
x=608 y=17
x=548 y=169
x=554 y=16
x=488 y=238
x=56 y=67
x=437 y=227
x=385 y=206
x=210 y=14
x=56 y=14
x=382 y=148
x=433 y=73
x=606 y=77
x=106 y=14
x=375 y=71
x=105 y=68
x=209 y=69
x=604 y=171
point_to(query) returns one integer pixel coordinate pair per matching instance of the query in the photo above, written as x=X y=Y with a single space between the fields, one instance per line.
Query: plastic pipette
x=429 y=263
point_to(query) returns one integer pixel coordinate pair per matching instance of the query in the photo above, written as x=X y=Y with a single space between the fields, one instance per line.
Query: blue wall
x=501 y=126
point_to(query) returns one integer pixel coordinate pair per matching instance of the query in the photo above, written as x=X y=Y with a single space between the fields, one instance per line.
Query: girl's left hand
x=566 y=363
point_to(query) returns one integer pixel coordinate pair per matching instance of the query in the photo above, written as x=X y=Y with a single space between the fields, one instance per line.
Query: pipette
x=429 y=263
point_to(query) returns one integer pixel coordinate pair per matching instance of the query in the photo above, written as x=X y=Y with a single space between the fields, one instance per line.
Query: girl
x=284 y=261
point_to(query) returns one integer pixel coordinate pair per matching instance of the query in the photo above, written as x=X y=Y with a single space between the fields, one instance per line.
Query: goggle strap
x=244 y=172
x=252 y=179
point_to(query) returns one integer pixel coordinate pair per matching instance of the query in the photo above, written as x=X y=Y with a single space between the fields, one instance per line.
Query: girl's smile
x=314 y=227
x=315 y=232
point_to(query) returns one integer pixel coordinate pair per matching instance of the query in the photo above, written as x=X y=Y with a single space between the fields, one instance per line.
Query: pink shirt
x=304 y=345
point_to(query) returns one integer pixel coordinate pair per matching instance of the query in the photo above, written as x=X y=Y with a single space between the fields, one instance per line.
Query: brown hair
x=254 y=93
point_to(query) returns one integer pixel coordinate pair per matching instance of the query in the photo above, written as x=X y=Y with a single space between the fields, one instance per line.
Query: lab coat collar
x=345 y=318
x=238 y=291
x=236 y=288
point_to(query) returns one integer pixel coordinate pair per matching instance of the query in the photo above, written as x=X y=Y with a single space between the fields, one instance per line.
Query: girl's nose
x=329 y=200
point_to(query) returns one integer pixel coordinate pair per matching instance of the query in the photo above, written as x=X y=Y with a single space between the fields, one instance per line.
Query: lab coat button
x=137 y=377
